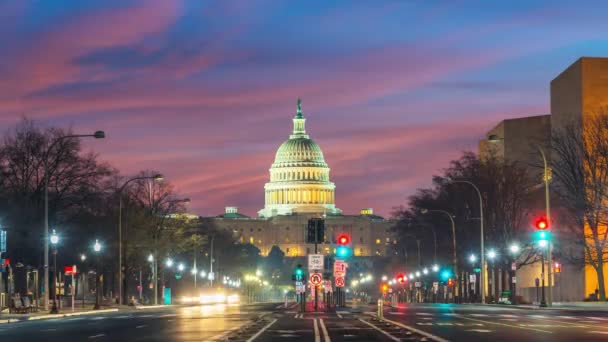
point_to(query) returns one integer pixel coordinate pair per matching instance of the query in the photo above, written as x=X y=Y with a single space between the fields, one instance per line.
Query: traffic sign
x=418 y=284
x=472 y=278
x=339 y=268
x=339 y=281
x=69 y=270
x=300 y=288
x=315 y=261
x=316 y=278
x=327 y=286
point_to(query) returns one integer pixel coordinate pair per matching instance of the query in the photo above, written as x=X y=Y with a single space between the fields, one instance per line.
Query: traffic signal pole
x=316 y=241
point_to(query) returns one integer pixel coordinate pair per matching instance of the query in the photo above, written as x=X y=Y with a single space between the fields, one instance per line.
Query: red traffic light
x=450 y=282
x=343 y=239
x=558 y=267
x=542 y=224
x=400 y=278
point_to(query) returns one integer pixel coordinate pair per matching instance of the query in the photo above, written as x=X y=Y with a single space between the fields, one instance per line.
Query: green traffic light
x=299 y=272
x=343 y=252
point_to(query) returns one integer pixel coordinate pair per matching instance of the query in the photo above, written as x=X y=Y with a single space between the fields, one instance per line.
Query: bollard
x=380 y=309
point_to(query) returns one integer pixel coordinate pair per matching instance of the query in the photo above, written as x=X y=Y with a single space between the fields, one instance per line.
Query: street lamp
x=169 y=262
x=514 y=248
x=157 y=177
x=54 y=242
x=180 y=267
x=96 y=135
x=425 y=271
x=203 y=274
x=472 y=258
x=435 y=268
x=483 y=260
x=491 y=254
x=83 y=257
x=150 y=258
x=384 y=278
x=97 y=249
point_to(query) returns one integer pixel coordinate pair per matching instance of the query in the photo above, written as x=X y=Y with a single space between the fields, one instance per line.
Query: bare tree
x=580 y=168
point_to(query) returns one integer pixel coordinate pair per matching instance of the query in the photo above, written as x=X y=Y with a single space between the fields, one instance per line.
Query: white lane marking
x=508 y=316
x=599 y=318
x=423 y=333
x=342 y=312
x=380 y=330
x=423 y=314
x=48 y=330
x=566 y=317
x=324 y=329
x=504 y=324
x=140 y=326
x=262 y=330
x=316 y=329
x=427 y=318
x=599 y=332
x=169 y=315
x=479 y=315
x=97 y=318
x=296 y=316
x=96 y=336
x=339 y=315
x=480 y=330
x=123 y=316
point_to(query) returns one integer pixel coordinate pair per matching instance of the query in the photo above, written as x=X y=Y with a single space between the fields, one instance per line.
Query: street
x=274 y=322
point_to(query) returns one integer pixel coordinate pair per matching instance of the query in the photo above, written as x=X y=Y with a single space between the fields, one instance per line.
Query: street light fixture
x=425 y=271
x=491 y=254
x=180 y=267
x=435 y=268
x=96 y=135
x=150 y=258
x=472 y=258
x=83 y=257
x=514 y=248
x=169 y=262
x=203 y=274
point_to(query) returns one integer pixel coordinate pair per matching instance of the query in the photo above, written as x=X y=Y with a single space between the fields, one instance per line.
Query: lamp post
x=483 y=260
x=454 y=255
x=156 y=177
x=96 y=135
x=514 y=249
x=83 y=258
x=54 y=242
x=97 y=250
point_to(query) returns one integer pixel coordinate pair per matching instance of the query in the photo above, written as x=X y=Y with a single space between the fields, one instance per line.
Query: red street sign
x=7 y=262
x=316 y=278
x=70 y=270
x=339 y=281
x=339 y=268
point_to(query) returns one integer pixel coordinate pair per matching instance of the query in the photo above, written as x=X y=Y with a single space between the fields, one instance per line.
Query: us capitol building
x=300 y=188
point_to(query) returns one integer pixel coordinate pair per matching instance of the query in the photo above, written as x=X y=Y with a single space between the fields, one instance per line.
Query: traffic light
x=384 y=288
x=541 y=223
x=316 y=231
x=343 y=250
x=542 y=237
x=400 y=278
x=298 y=273
x=343 y=240
x=450 y=282
x=445 y=275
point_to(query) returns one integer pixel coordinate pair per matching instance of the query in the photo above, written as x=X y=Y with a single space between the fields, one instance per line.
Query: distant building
x=299 y=189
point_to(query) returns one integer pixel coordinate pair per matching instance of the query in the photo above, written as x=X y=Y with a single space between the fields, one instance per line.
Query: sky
x=204 y=91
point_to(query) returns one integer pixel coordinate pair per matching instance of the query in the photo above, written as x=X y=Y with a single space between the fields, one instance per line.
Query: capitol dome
x=299 y=177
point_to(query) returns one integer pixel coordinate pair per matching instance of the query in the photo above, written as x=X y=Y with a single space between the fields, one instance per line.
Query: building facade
x=300 y=188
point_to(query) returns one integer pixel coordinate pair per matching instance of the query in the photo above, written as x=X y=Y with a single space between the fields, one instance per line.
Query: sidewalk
x=586 y=306
x=43 y=314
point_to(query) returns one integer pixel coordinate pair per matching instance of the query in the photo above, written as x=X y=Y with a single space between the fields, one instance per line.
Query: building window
x=260 y=229
x=251 y=240
x=287 y=250
x=361 y=239
x=378 y=241
x=307 y=250
x=250 y=230
x=286 y=228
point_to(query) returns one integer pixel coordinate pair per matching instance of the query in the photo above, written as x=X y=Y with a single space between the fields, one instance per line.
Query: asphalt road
x=273 y=322
x=196 y=323
x=495 y=323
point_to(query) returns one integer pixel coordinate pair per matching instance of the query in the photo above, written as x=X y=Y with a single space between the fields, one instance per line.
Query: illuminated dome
x=299 y=177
